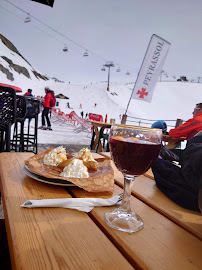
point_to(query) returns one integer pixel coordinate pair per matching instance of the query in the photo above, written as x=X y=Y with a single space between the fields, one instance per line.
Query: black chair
x=104 y=137
x=27 y=108
x=17 y=142
x=7 y=116
x=31 y=138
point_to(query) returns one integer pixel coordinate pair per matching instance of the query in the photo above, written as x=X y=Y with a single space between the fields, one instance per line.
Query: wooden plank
x=50 y=238
x=147 y=191
x=160 y=245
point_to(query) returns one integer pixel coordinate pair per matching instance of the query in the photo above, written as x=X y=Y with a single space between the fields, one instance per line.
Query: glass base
x=123 y=221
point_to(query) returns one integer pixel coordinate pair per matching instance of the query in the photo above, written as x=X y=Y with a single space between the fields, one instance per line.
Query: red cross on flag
x=150 y=70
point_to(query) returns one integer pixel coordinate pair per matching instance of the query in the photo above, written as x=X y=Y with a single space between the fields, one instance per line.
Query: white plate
x=56 y=182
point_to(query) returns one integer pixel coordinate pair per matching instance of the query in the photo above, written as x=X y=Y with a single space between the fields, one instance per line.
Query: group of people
x=187 y=130
x=48 y=103
x=82 y=115
x=80 y=106
x=47 y=108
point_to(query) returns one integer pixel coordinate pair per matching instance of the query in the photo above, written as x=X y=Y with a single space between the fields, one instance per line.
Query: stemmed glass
x=133 y=149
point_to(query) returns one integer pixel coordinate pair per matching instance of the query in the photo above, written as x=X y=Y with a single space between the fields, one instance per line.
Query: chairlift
x=86 y=53
x=28 y=19
x=118 y=70
x=65 y=49
x=127 y=73
x=103 y=68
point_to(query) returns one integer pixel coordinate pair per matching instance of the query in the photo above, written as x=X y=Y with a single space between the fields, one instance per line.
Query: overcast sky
x=116 y=30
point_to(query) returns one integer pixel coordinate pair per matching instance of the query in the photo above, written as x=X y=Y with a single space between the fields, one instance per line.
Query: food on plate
x=72 y=167
x=65 y=163
x=76 y=168
x=88 y=159
x=55 y=156
x=99 y=180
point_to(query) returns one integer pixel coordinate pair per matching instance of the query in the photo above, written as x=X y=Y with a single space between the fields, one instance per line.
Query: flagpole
x=132 y=93
x=138 y=74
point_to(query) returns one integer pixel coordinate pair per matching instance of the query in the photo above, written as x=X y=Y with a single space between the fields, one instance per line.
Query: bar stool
x=17 y=142
x=7 y=116
x=31 y=138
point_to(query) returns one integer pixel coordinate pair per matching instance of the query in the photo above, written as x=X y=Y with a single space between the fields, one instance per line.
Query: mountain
x=171 y=100
x=13 y=63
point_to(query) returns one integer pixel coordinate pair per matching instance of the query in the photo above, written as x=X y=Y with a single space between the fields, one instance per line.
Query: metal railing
x=149 y=122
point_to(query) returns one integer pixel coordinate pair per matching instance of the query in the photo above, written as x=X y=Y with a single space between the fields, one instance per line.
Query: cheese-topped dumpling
x=87 y=158
x=55 y=156
x=76 y=168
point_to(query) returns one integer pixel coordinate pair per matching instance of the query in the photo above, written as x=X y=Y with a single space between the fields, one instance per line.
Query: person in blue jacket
x=161 y=125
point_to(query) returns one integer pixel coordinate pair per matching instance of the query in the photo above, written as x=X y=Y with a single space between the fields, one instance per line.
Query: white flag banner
x=151 y=67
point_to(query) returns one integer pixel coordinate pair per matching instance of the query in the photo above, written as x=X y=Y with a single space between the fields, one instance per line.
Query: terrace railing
x=148 y=122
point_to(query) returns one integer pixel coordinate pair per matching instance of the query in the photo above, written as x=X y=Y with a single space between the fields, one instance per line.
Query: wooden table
x=172 y=142
x=56 y=238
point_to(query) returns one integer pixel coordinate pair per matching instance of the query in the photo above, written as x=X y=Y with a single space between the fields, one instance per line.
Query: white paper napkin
x=81 y=204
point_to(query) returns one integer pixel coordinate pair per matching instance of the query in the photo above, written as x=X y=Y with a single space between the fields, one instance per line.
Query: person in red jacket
x=28 y=93
x=191 y=127
x=46 y=105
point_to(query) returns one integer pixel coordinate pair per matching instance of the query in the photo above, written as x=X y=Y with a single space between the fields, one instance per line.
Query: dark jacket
x=182 y=185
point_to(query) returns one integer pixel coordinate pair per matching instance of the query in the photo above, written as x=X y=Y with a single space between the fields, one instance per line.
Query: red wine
x=133 y=156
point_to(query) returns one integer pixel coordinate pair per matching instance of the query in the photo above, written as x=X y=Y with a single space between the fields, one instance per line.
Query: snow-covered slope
x=171 y=100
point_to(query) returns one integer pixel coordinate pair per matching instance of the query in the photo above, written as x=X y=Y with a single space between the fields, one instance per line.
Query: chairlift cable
x=59 y=41
x=16 y=6
x=74 y=42
x=54 y=30
x=47 y=25
x=56 y=39
x=102 y=69
x=11 y=12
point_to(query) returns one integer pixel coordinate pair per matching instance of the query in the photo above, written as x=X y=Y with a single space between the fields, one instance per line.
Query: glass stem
x=128 y=183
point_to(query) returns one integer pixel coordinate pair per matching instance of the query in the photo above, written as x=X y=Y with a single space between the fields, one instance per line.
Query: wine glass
x=133 y=149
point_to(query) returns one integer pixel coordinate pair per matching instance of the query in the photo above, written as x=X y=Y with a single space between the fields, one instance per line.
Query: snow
x=62 y=134
x=171 y=100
